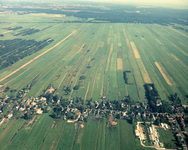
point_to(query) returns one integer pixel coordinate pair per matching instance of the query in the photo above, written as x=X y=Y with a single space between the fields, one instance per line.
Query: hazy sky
x=165 y=3
x=182 y=2
x=178 y=2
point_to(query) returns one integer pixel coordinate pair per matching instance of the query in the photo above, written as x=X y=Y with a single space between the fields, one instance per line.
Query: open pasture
x=51 y=134
x=100 y=52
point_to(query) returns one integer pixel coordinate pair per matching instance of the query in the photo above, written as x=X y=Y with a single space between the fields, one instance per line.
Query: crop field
x=167 y=138
x=59 y=134
x=100 y=53
x=92 y=57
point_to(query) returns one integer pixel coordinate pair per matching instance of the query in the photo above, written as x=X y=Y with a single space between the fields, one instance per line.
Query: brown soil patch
x=163 y=74
x=82 y=48
x=50 y=90
x=52 y=147
x=48 y=15
x=136 y=53
x=87 y=91
x=36 y=57
x=185 y=106
x=30 y=122
x=48 y=40
x=7 y=31
x=75 y=125
x=144 y=72
x=119 y=44
x=119 y=64
x=73 y=121
x=81 y=125
x=111 y=119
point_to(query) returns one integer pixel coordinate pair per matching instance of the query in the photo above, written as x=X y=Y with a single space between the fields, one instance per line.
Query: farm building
x=39 y=111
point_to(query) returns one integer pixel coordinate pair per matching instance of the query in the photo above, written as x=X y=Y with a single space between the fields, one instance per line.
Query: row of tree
x=153 y=96
x=25 y=32
x=117 y=14
x=13 y=28
x=13 y=50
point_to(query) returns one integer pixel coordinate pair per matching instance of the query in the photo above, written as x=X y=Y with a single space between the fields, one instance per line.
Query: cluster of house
x=154 y=136
x=99 y=109
x=34 y=104
x=175 y=123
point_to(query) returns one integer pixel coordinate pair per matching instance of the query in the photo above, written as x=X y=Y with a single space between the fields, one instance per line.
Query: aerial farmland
x=68 y=82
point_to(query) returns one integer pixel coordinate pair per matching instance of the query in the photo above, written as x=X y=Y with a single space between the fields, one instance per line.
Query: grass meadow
x=105 y=43
x=101 y=52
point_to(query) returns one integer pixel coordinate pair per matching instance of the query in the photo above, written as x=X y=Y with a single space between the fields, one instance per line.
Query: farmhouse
x=43 y=99
x=39 y=111
x=10 y=115
x=158 y=102
x=22 y=109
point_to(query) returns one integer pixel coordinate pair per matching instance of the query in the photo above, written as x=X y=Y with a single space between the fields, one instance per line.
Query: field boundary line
x=143 y=71
x=40 y=130
x=57 y=144
x=97 y=135
x=48 y=78
x=44 y=138
x=109 y=56
x=34 y=71
x=163 y=74
x=87 y=91
x=17 y=76
x=178 y=60
x=9 y=130
x=62 y=80
x=37 y=57
x=95 y=79
x=179 y=32
x=129 y=48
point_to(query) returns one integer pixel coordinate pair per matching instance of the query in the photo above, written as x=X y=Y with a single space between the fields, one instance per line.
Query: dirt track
x=119 y=64
x=136 y=53
x=163 y=74
x=36 y=57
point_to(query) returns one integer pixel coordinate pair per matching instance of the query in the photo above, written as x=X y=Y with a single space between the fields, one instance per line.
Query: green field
x=167 y=138
x=63 y=61
x=96 y=134
x=68 y=60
